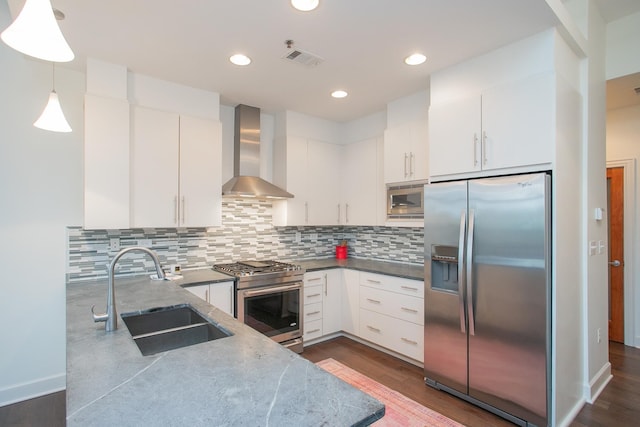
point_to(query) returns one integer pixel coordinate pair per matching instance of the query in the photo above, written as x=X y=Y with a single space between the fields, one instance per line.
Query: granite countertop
x=245 y=379
x=408 y=271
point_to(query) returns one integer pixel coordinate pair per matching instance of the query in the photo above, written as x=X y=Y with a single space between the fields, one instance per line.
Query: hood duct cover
x=246 y=159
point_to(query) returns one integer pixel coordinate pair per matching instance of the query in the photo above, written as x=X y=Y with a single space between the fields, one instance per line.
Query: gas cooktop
x=252 y=268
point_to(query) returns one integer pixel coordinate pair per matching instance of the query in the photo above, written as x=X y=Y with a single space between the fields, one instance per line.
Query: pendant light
x=36 y=33
x=52 y=117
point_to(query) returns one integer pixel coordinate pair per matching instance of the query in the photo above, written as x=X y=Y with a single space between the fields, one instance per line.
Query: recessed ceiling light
x=240 y=59
x=415 y=59
x=305 y=5
x=339 y=94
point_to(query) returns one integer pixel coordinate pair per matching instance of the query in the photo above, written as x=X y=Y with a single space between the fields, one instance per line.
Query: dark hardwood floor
x=48 y=410
x=618 y=405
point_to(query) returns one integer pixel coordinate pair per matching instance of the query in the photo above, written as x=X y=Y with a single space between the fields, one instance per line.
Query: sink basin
x=166 y=328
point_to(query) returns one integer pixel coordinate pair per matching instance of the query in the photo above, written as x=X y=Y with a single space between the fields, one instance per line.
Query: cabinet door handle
x=409 y=288
x=175 y=210
x=313 y=295
x=405 y=164
x=410 y=310
x=373 y=301
x=231 y=300
x=206 y=295
x=373 y=329
x=376 y=282
x=338 y=213
x=412 y=158
x=325 y=284
x=183 y=215
x=475 y=149
x=484 y=147
x=313 y=313
x=408 y=341
x=346 y=213
x=306 y=212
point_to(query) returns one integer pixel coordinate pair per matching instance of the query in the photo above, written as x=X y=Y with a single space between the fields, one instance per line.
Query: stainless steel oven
x=269 y=299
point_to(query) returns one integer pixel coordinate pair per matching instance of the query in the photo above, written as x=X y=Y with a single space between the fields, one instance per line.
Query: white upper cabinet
x=312 y=176
x=323 y=183
x=175 y=170
x=507 y=126
x=406 y=139
x=361 y=182
x=106 y=160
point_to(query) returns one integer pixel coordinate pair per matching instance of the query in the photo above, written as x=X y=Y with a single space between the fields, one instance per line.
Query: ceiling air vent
x=302 y=57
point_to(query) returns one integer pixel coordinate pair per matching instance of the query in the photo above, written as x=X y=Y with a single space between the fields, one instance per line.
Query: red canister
x=341 y=252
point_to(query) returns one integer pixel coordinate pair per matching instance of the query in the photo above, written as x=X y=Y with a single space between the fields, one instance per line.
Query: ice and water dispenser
x=444 y=268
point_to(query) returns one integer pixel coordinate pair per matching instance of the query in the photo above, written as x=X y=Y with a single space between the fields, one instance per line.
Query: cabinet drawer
x=394 y=284
x=312 y=330
x=315 y=278
x=402 y=337
x=312 y=294
x=392 y=304
x=312 y=312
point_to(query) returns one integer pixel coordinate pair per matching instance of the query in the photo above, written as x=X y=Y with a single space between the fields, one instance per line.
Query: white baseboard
x=566 y=421
x=598 y=383
x=40 y=387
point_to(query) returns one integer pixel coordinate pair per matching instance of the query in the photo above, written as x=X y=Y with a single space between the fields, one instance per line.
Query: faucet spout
x=111 y=316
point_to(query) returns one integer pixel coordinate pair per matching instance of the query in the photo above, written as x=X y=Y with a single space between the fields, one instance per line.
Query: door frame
x=629 y=167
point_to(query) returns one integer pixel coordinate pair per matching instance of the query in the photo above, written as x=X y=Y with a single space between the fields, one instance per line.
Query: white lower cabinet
x=218 y=294
x=397 y=335
x=385 y=310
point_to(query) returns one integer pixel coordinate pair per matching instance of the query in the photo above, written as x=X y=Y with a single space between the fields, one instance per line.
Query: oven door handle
x=272 y=290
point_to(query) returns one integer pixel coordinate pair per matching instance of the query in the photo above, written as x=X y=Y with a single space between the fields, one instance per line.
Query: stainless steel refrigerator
x=488 y=293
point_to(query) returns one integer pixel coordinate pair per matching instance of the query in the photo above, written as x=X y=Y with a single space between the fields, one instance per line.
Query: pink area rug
x=399 y=410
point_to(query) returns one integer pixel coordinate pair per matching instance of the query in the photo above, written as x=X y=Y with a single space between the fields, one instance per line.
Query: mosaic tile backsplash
x=246 y=233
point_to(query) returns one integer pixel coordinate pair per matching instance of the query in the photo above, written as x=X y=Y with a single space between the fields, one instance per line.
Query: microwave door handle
x=461 y=274
x=271 y=290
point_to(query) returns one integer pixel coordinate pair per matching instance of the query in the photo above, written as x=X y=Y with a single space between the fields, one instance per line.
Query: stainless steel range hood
x=246 y=181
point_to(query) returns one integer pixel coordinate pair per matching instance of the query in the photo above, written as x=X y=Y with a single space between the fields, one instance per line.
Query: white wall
x=623 y=143
x=623 y=54
x=41 y=193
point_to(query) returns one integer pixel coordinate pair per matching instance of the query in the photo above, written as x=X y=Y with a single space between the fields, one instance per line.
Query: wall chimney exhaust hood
x=246 y=181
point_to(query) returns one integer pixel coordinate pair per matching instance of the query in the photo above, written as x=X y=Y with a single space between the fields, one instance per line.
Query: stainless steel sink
x=166 y=328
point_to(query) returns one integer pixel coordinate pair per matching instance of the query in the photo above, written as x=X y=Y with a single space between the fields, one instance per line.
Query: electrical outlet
x=298 y=237
x=599 y=335
x=114 y=244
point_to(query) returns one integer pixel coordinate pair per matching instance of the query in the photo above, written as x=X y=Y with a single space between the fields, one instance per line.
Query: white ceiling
x=362 y=42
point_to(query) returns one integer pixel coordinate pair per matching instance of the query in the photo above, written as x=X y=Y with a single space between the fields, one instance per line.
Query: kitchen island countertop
x=245 y=379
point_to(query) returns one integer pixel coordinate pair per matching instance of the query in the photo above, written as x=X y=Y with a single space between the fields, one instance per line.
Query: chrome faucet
x=111 y=316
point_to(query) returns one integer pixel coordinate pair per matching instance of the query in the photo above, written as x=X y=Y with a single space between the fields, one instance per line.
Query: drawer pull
x=410 y=310
x=313 y=331
x=313 y=279
x=377 y=282
x=313 y=295
x=313 y=313
x=374 y=301
x=408 y=341
x=409 y=288
x=373 y=329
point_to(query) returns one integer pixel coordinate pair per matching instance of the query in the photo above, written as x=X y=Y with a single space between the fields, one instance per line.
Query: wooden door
x=615 y=196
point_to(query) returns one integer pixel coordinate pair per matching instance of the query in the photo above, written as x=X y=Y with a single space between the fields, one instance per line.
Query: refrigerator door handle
x=469 y=278
x=461 y=281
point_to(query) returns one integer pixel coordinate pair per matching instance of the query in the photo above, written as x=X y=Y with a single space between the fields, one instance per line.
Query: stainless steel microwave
x=405 y=201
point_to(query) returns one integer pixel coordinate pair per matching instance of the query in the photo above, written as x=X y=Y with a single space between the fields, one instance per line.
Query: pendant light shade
x=52 y=117
x=35 y=32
